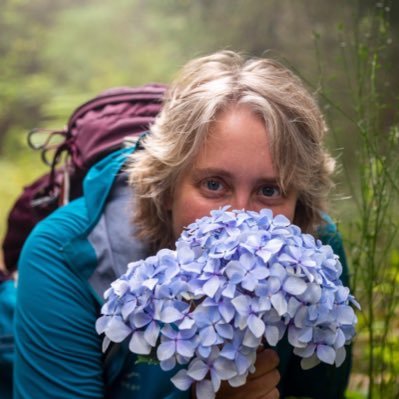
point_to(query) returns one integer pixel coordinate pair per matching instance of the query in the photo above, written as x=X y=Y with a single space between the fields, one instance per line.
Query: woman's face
x=234 y=167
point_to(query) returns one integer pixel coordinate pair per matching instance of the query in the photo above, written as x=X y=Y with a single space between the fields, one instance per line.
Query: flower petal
x=117 y=330
x=241 y=304
x=326 y=354
x=168 y=364
x=279 y=303
x=345 y=314
x=166 y=350
x=225 y=368
x=185 y=348
x=211 y=286
x=208 y=336
x=225 y=331
x=138 y=344
x=308 y=363
x=307 y=351
x=272 y=335
x=128 y=307
x=197 y=370
x=227 y=311
x=250 y=340
x=141 y=319
x=181 y=380
x=256 y=325
x=184 y=253
x=242 y=363
x=340 y=356
x=274 y=245
x=151 y=333
x=204 y=390
x=101 y=324
x=170 y=315
x=150 y=283
x=295 y=285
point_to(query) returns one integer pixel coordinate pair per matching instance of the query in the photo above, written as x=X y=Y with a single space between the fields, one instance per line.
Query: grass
x=371 y=231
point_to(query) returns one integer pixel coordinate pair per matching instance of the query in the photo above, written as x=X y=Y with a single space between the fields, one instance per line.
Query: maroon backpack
x=95 y=129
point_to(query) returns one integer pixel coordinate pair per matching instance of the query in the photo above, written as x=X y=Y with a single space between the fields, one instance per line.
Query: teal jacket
x=7 y=307
x=66 y=264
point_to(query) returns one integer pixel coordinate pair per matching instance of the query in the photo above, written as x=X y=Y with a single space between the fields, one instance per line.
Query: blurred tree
x=24 y=28
x=56 y=54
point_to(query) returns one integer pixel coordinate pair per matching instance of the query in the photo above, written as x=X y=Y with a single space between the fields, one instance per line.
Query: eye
x=212 y=185
x=270 y=191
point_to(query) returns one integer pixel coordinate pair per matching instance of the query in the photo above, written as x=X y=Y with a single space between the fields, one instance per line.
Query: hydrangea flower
x=237 y=279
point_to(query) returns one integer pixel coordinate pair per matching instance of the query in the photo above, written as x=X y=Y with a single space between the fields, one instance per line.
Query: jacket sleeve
x=7 y=306
x=323 y=381
x=57 y=352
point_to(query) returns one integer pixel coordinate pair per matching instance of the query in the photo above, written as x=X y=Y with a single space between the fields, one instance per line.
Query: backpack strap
x=102 y=252
x=113 y=238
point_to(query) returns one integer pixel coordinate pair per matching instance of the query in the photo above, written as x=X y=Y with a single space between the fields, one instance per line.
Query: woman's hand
x=260 y=385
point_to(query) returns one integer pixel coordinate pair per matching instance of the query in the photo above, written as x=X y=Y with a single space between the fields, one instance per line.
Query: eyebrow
x=201 y=172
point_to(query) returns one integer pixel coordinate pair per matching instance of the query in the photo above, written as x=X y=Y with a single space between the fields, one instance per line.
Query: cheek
x=186 y=208
x=287 y=209
x=182 y=216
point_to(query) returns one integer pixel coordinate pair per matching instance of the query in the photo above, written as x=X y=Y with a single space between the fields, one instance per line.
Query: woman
x=231 y=132
x=237 y=132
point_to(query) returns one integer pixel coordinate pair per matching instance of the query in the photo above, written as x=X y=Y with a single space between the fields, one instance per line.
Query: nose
x=242 y=201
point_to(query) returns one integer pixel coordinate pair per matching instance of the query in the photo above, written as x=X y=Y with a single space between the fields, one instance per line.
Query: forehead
x=237 y=141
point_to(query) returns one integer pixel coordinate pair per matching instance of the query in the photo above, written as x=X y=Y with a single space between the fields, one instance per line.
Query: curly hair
x=206 y=86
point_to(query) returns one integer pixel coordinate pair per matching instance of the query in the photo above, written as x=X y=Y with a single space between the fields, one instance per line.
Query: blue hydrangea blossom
x=237 y=279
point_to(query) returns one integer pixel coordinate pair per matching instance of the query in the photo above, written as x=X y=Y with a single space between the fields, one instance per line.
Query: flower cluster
x=236 y=279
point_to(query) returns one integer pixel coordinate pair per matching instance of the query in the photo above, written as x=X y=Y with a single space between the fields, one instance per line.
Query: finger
x=266 y=361
x=263 y=387
x=265 y=383
x=275 y=394
x=260 y=384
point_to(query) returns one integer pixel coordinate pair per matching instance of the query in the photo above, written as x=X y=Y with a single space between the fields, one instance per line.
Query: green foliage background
x=56 y=54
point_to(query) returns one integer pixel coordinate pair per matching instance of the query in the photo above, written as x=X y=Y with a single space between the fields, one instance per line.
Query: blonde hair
x=206 y=86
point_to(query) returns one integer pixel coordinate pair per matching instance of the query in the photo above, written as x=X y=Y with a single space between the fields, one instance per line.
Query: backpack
x=96 y=128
